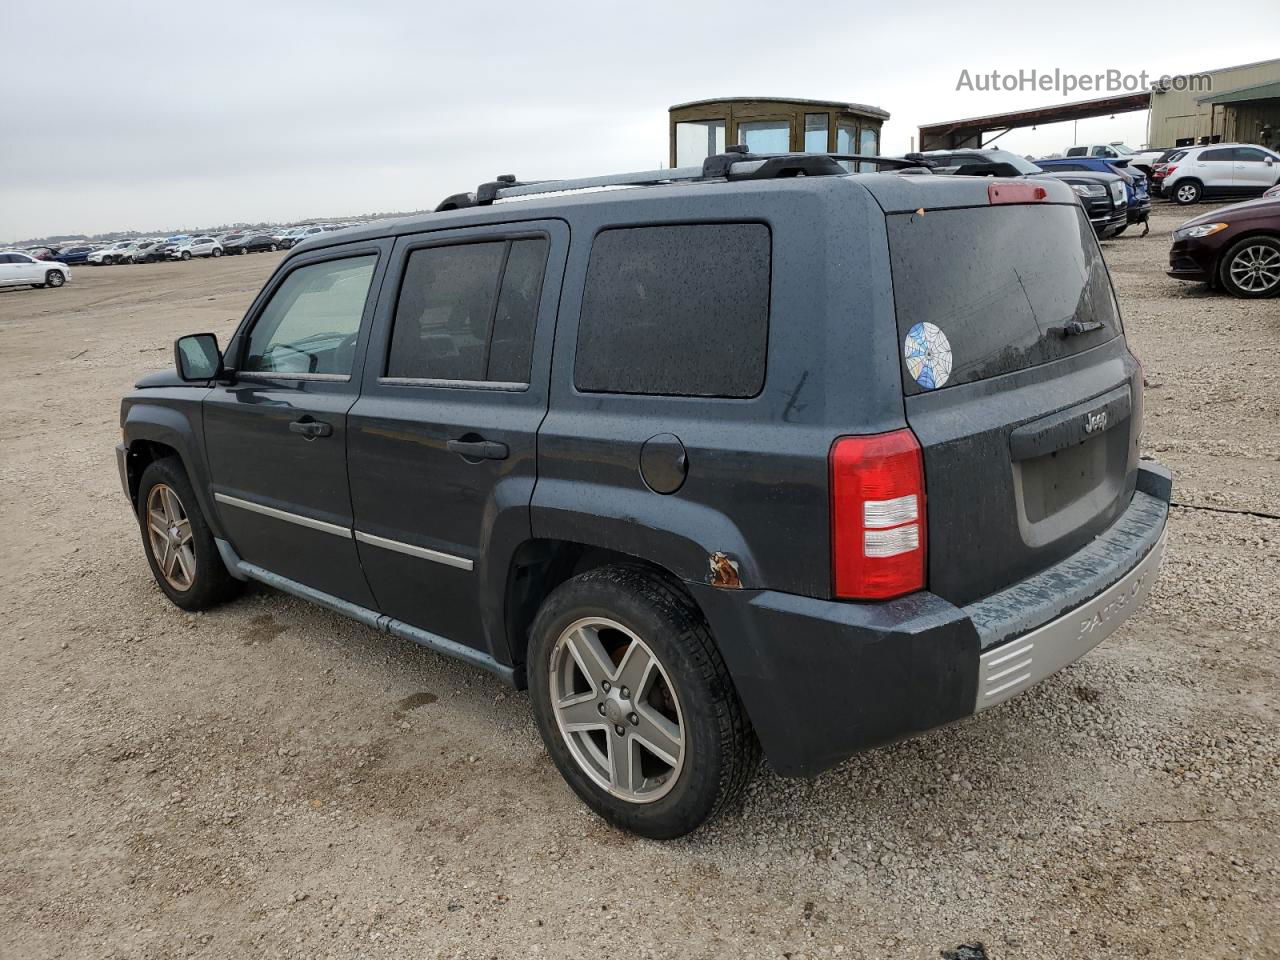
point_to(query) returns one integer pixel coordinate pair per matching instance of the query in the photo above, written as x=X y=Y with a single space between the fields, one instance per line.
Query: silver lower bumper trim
x=1012 y=667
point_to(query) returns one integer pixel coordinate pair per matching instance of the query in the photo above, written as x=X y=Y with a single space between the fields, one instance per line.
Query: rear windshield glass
x=983 y=291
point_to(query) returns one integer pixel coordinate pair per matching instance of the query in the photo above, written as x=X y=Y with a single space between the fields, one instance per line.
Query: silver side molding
x=422 y=553
x=1012 y=667
x=309 y=522
x=379 y=621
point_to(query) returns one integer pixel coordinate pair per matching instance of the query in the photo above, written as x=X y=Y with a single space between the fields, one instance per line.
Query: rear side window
x=677 y=310
x=467 y=312
x=1210 y=156
x=998 y=283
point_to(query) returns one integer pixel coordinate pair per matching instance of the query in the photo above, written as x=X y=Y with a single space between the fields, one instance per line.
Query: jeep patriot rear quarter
x=801 y=463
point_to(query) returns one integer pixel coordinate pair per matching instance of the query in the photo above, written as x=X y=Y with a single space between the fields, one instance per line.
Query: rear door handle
x=311 y=428
x=478 y=449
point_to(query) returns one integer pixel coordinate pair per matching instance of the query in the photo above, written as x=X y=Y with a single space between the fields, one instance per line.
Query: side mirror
x=197 y=357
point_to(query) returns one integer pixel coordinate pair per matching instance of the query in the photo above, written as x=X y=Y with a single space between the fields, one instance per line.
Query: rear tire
x=189 y=570
x=684 y=701
x=1187 y=192
x=1251 y=268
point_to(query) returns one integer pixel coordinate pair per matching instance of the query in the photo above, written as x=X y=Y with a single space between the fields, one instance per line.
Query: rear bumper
x=822 y=680
x=1140 y=212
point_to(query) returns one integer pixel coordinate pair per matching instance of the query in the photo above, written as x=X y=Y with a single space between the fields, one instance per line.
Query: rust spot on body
x=724 y=572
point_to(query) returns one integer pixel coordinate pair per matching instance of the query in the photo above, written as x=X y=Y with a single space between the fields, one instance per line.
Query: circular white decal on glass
x=928 y=354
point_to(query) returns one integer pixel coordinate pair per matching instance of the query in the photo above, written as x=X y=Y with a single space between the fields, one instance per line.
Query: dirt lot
x=271 y=780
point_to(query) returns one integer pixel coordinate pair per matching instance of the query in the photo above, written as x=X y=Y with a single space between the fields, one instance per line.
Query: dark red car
x=1235 y=247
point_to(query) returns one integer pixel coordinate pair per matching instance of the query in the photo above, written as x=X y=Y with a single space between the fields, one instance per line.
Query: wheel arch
x=152 y=432
x=538 y=566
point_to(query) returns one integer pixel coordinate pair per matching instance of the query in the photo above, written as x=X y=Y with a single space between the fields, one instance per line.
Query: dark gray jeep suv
x=759 y=455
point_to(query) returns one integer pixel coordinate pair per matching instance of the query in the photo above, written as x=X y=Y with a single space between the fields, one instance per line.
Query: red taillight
x=877 y=516
x=1160 y=173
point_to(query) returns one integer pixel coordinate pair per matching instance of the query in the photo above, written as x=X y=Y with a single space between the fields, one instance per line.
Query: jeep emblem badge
x=1093 y=422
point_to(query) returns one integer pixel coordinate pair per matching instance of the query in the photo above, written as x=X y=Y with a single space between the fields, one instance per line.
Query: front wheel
x=216 y=252
x=178 y=542
x=1187 y=192
x=635 y=704
x=1251 y=268
x=54 y=278
x=272 y=248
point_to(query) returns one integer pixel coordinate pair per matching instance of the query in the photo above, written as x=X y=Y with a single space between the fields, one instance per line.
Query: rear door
x=276 y=436
x=1029 y=432
x=1215 y=169
x=443 y=438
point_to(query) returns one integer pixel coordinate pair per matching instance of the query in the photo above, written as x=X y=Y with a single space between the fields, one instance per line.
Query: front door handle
x=311 y=428
x=478 y=449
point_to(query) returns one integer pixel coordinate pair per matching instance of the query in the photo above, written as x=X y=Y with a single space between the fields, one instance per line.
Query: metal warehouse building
x=1240 y=104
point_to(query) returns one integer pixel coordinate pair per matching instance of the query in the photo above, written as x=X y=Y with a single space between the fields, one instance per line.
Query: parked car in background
x=19 y=269
x=1217 y=170
x=75 y=253
x=1135 y=182
x=117 y=252
x=1145 y=160
x=147 y=251
x=302 y=233
x=1108 y=151
x=1103 y=195
x=251 y=243
x=194 y=247
x=1235 y=248
x=964 y=514
x=43 y=253
x=171 y=243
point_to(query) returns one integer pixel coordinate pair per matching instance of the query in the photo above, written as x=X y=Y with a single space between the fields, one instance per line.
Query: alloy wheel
x=1256 y=268
x=169 y=530
x=55 y=278
x=1186 y=193
x=617 y=710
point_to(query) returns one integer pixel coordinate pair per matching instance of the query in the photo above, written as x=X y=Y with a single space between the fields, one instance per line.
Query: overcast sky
x=132 y=116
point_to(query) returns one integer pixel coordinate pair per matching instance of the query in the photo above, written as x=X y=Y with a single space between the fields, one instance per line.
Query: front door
x=1255 y=170
x=276 y=436
x=442 y=440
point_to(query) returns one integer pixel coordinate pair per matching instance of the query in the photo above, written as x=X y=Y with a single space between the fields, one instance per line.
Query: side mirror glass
x=197 y=357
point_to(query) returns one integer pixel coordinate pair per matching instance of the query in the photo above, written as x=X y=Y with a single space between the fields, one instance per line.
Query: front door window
x=310 y=325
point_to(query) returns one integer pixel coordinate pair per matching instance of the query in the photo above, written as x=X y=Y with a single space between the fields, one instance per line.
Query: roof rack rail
x=736 y=163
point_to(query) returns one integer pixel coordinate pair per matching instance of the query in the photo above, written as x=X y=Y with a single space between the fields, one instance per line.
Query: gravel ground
x=269 y=780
